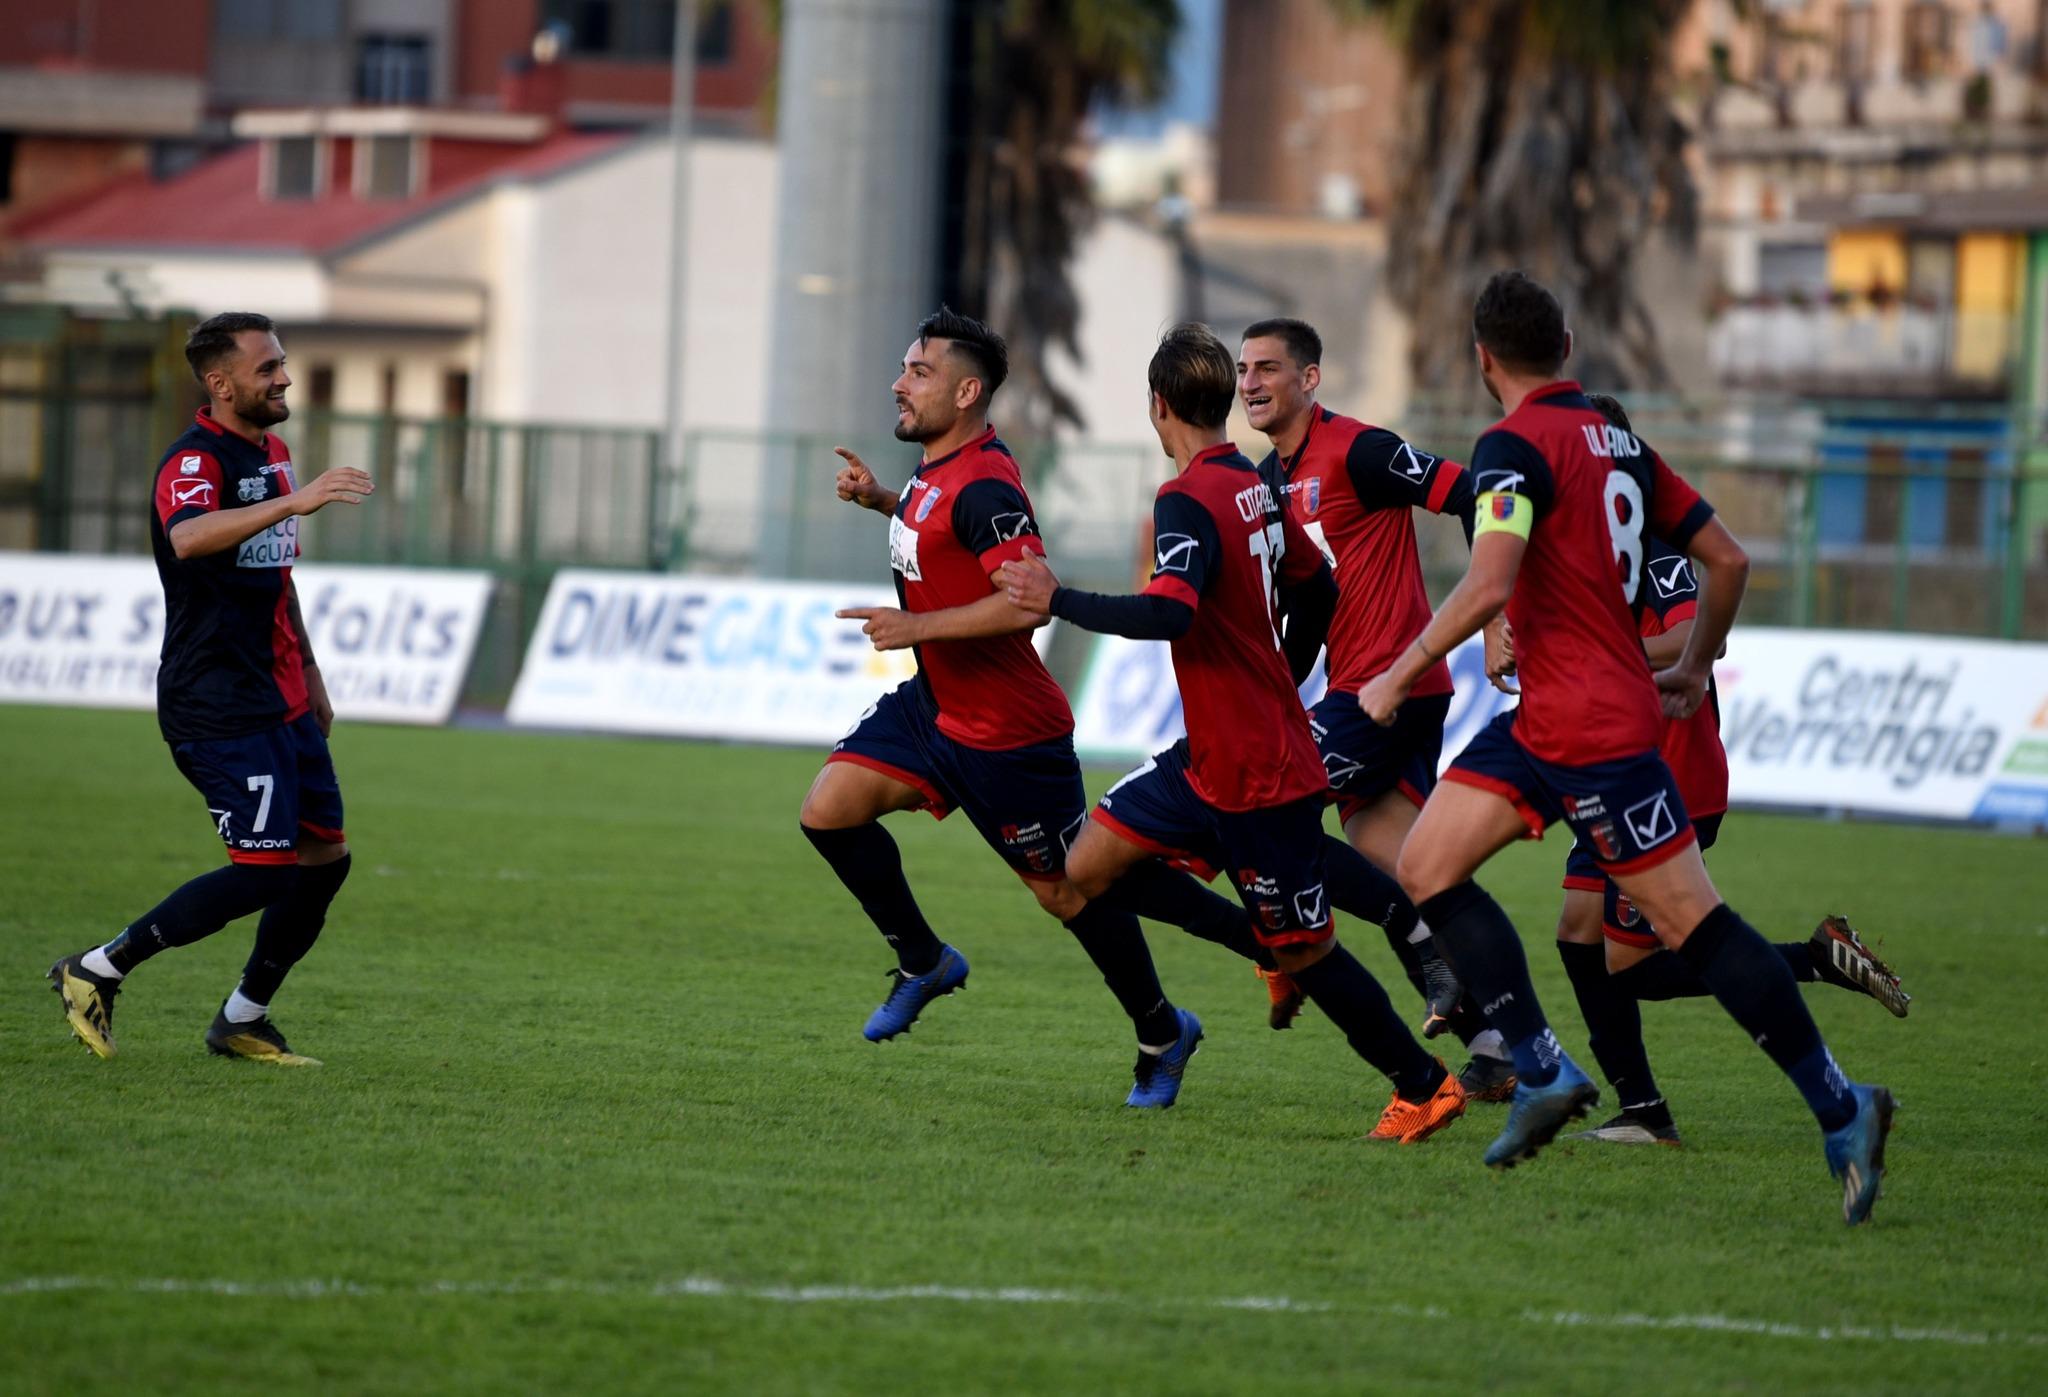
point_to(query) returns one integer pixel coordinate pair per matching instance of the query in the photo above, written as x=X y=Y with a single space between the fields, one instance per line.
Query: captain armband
x=1502 y=512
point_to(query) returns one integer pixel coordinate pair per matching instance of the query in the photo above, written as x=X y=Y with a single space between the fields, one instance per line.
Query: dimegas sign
x=1899 y=724
x=84 y=631
x=747 y=660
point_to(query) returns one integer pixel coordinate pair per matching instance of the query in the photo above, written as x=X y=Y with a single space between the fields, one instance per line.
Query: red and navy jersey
x=1692 y=747
x=1592 y=492
x=1223 y=546
x=231 y=662
x=961 y=517
x=1352 y=488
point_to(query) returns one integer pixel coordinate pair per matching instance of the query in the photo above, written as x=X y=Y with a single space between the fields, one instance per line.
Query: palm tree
x=1036 y=70
x=1537 y=134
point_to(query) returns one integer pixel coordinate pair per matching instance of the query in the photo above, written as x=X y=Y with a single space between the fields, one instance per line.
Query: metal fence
x=1894 y=517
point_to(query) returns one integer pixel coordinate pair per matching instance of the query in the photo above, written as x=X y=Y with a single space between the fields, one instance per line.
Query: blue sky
x=1191 y=95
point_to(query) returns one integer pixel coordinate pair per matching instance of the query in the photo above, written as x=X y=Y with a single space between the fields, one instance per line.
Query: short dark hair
x=1520 y=323
x=1195 y=374
x=213 y=339
x=1611 y=409
x=1304 y=345
x=988 y=358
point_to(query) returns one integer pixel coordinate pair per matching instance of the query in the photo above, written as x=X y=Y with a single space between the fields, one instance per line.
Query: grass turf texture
x=591 y=1015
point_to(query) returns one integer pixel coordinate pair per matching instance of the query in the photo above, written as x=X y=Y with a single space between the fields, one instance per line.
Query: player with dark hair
x=982 y=727
x=1565 y=499
x=1245 y=790
x=239 y=697
x=1354 y=488
x=1633 y=966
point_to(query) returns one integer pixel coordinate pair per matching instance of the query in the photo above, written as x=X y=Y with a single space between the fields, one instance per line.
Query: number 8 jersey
x=1224 y=544
x=1584 y=493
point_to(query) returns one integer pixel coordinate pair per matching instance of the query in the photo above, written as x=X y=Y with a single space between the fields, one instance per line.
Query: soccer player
x=1246 y=790
x=1353 y=489
x=1565 y=500
x=239 y=697
x=982 y=727
x=1633 y=966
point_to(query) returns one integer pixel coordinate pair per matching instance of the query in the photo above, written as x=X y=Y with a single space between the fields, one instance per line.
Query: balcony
x=1858 y=348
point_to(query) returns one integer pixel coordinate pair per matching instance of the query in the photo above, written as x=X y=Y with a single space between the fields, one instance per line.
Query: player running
x=239 y=697
x=1633 y=966
x=1353 y=489
x=1565 y=501
x=1245 y=791
x=982 y=727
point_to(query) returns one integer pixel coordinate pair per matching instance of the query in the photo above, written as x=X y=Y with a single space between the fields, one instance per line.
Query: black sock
x=1151 y=889
x=1479 y=941
x=1347 y=992
x=200 y=908
x=1113 y=941
x=1614 y=1026
x=867 y=861
x=1663 y=975
x=1750 y=979
x=290 y=926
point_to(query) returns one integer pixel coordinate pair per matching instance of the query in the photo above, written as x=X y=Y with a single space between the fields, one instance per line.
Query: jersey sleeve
x=1185 y=545
x=188 y=485
x=1671 y=591
x=993 y=519
x=1512 y=484
x=1388 y=473
x=1676 y=510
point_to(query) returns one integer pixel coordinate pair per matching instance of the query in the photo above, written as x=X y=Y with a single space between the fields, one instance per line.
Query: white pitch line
x=707 y=1287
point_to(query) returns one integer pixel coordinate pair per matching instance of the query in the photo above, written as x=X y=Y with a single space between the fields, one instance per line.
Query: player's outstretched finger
x=856 y=613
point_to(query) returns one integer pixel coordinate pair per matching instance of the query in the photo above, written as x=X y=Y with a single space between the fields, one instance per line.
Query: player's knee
x=1062 y=899
x=1418 y=878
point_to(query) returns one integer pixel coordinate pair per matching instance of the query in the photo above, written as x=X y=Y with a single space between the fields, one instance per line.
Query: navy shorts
x=1627 y=811
x=1275 y=855
x=1027 y=802
x=1620 y=919
x=1365 y=760
x=264 y=788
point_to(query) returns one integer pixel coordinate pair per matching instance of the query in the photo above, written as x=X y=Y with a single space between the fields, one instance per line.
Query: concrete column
x=856 y=260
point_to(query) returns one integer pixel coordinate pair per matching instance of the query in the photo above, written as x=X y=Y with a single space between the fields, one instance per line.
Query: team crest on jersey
x=925 y=505
x=1626 y=912
x=1602 y=836
x=251 y=488
x=189 y=466
x=1314 y=490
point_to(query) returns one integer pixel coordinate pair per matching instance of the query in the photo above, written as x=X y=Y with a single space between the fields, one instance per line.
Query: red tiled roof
x=220 y=204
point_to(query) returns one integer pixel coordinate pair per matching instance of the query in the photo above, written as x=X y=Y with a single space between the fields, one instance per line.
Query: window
x=387 y=167
x=305 y=21
x=1855 y=29
x=394 y=68
x=294 y=168
x=639 y=28
x=320 y=387
x=1926 y=40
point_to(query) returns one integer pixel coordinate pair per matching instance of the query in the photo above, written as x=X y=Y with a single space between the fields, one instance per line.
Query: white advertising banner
x=733 y=658
x=1854 y=720
x=1898 y=724
x=80 y=630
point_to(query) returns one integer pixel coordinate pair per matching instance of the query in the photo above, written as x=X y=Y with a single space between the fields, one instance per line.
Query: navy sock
x=1666 y=976
x=1347 y=992
x=290 y=926
x=867 y=861
x=200 y=908
x=1151 y=889
x=1476 y=937
x=1750 y=979
x=1614 y=1026
x=1112 y=939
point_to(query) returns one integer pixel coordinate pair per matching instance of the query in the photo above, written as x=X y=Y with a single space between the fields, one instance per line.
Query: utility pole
x=682 y=104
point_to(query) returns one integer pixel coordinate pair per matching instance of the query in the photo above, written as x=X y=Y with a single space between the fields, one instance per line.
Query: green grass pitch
x=597 y=1116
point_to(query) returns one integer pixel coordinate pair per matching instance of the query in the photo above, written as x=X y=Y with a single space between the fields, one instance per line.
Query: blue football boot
x=1538 y=1113
x=910 y=993
x=1158 y=1074
x=1856 y=1151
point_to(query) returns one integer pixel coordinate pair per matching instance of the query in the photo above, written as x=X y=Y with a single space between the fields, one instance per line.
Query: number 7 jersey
x=1585 y=494
x=1224 y=543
